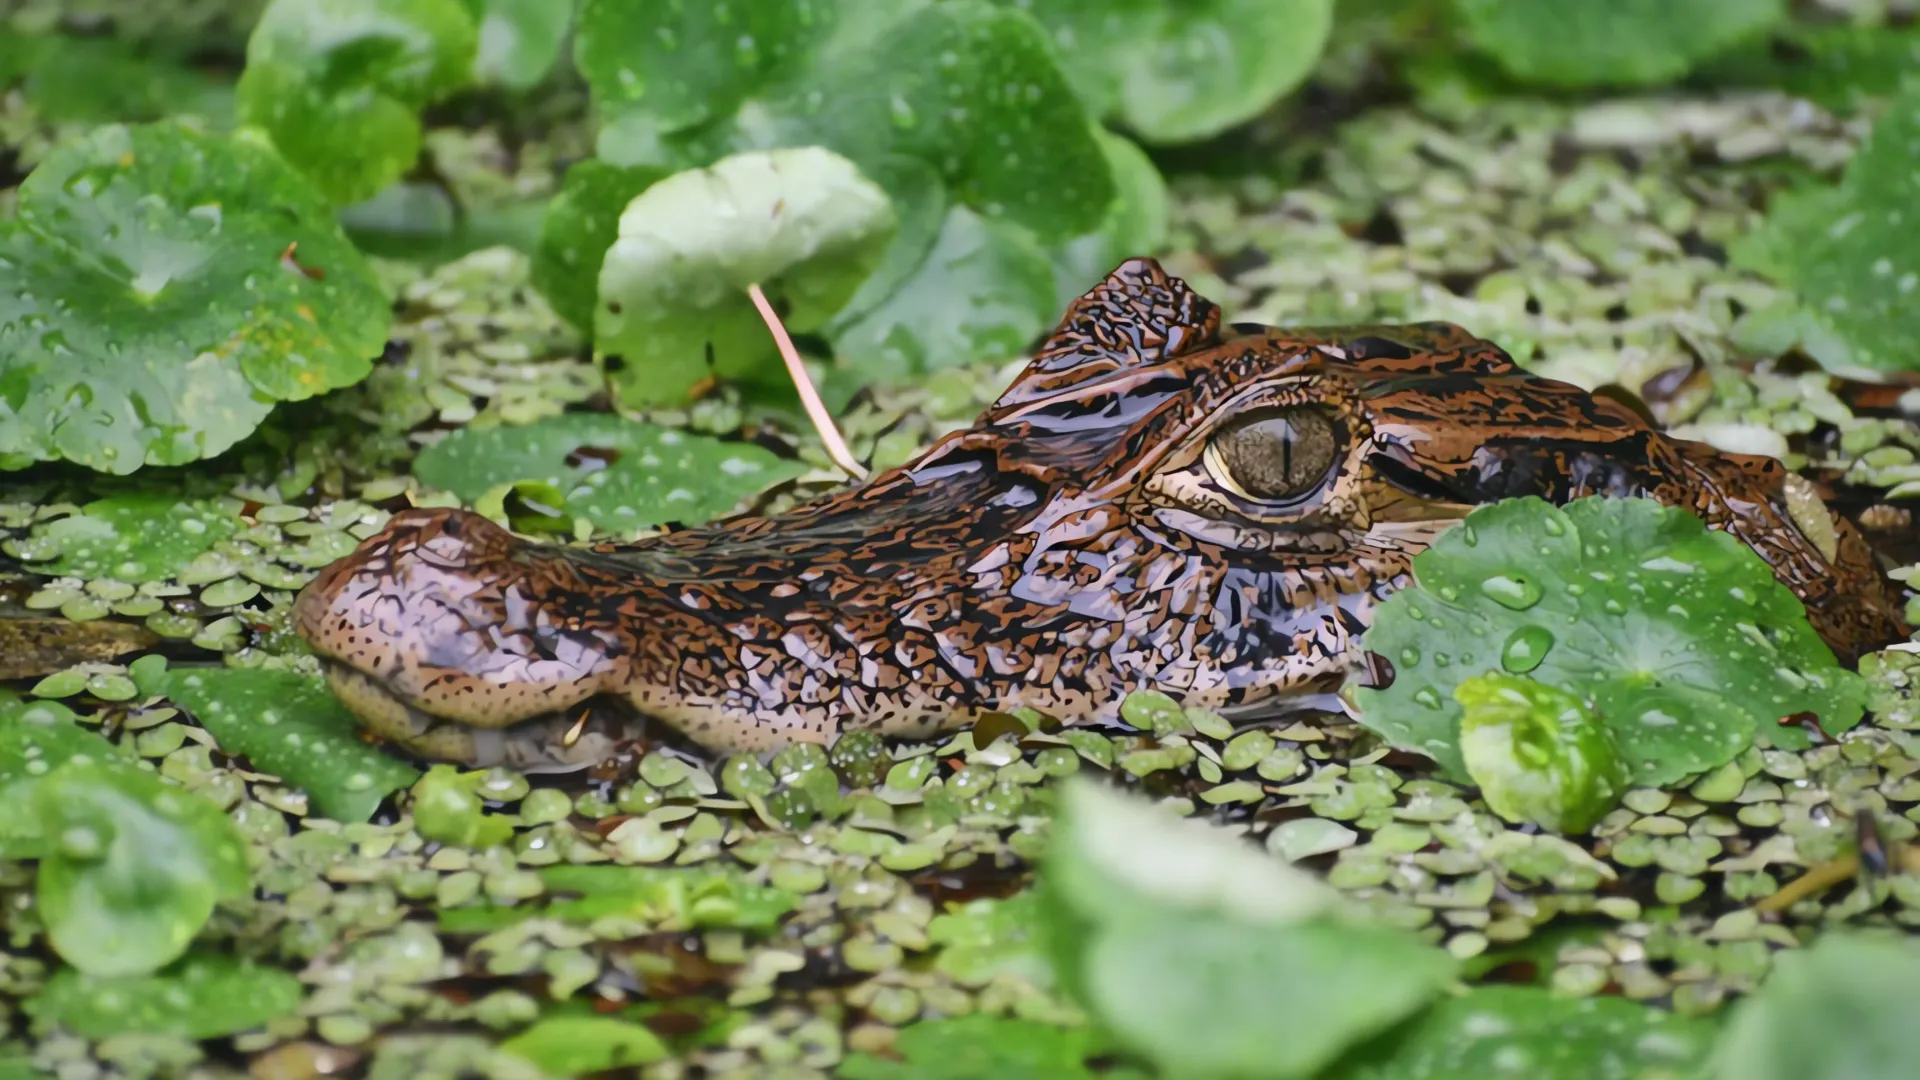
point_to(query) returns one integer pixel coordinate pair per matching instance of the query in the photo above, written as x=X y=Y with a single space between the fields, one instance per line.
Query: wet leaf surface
x=291 y=726
x=1210 y=960
x=519 y=40
x=1537 y=754
x=200 y=996
x=160 y=289
x=135 y=537
x=1625 y=43
x=637 y=475
x=870 y=82
x=1522 y=1031
x=1848 y=251
x=1565 y=596
x=573 y=1045
x=804 y=225
x=581 y=223
x=133 y=865
x=671 y=898
x=1856 y=982
x=1007 y=285
x=338 y=84
x=982 y=1046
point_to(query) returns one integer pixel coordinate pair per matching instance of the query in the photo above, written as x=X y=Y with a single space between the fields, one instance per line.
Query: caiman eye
x=1274 y=454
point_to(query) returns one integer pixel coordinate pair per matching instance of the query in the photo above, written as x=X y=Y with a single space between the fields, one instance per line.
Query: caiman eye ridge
x=1031 y=560
x=1276 y=454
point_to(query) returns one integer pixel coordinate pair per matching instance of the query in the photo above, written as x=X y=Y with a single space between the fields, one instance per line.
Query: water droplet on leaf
x=1525 y=649
x=1513 y=592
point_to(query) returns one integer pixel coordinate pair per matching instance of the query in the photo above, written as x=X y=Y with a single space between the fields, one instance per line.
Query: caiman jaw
x=553 y=743
x=1157 y=502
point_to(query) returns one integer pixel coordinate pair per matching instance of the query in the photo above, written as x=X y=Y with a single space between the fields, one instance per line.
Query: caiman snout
x=443 y=616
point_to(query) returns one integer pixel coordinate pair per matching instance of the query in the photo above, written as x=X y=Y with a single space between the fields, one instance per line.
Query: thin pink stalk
x=810 y=398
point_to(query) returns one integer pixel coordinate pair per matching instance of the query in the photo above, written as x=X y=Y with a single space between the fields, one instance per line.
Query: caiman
x=1158 y=501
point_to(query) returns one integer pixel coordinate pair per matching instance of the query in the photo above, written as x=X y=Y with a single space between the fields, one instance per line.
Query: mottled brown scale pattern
x=1073 y=544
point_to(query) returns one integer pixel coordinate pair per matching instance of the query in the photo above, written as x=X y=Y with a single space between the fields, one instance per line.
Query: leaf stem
x=802 y=382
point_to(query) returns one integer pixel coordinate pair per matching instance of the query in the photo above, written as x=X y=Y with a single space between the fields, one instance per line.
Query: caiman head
x=1158 y=501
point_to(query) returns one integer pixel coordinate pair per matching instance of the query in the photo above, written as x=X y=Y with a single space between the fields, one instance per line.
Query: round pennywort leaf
x=804 y=225
x=203 y=996
x=1532 y=1033
x=623 y=475
x=1537 y=753
x=1619 y=42
x=581 y=223
x=164 y=857
x=160 y=289
x=339 y=84
x=1679 y=637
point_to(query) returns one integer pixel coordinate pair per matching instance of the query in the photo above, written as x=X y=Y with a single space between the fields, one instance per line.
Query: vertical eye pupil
x=1276 y=454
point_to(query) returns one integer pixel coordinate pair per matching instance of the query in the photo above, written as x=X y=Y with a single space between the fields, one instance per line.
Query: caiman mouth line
x=555 y=742
x=1153 y=504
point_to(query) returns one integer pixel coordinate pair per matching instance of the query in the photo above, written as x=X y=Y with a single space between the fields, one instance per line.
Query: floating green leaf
x=1176 y=73
x=973 y=90
x=1210 y=959
x=669 y=898
x=955 y=84
x=448 y=809
x=70 y=78
x=978 y=1047
x=581 y=223
x=201 y=996
x=1538 y=755
x=1136 y=224
x=1678 y=637
x=1838 y=66
x=1837 y=1010
x=519 y=40
x=339 y=84
x=668 y=65
x=1532 y=1033
x=135 y=537
x=1850 y=252
x=802 y=224
x=621 y=474
x=983 y=938
x=1618 y=43
x=160 y=289
x=133 y=865
x=575 y=1045
x=289 y=725
x=35 y=739
x=985 y=291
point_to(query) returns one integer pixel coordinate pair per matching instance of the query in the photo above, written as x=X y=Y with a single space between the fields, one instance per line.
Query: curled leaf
x=1538 y=755
x=804 y=225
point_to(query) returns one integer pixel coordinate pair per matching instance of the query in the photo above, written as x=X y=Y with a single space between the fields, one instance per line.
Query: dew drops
x=1667 y=564
x=1513 y=592
x=1409 y=656
x=1426 y=696
x=82 y=843
x=1525 y=649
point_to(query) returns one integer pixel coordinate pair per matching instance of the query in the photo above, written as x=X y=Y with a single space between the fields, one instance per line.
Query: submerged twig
x=802 y=382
